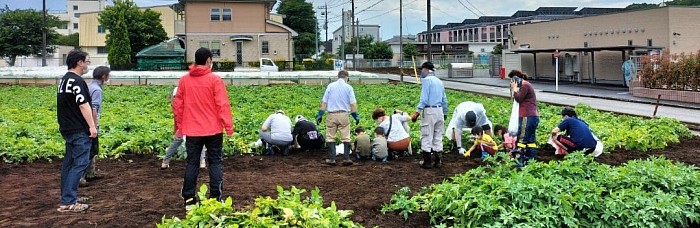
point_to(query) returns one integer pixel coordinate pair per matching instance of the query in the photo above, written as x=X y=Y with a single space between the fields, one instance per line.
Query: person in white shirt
x=277 y=131
x=467 y=115
x=396 y=129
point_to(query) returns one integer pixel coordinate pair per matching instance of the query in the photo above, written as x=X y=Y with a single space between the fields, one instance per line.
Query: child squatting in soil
x=178 y=139
x=380 y=149
x=483 y=143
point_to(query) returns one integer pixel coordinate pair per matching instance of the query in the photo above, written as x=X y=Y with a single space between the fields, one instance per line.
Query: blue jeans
x=527 y=134
x=75 y=161
x=194 y=147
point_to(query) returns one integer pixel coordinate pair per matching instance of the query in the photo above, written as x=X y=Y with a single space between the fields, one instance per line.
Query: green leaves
x=288 y=210
x=576 y=192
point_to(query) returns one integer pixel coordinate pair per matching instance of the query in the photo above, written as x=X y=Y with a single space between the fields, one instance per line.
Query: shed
x=167 y=55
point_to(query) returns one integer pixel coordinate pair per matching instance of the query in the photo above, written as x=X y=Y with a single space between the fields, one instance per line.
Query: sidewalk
x=602 y=98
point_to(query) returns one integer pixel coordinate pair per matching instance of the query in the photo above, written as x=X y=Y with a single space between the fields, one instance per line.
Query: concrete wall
x=685 y=23
x=371 y=30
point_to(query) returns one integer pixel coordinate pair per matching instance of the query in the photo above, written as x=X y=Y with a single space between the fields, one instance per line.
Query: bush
x=674 y=72
x=576 y=192
x=254 y=64
x=288 y=210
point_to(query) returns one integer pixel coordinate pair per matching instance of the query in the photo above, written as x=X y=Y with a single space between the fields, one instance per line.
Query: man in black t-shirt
x=306 y=135
x=77 y=128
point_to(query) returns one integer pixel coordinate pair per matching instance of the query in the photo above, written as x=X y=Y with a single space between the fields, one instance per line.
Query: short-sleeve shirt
x=484 y=139
x=578 y=131
x=305 y=130
x=72 y=92
x=339 y=96
x=379 y=147
x=96 y=95
x=280 y=127
x=397 y=133
x=363 y=145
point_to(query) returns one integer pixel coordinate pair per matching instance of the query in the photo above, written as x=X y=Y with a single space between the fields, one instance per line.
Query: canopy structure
x=167 y=54
x=623 y=49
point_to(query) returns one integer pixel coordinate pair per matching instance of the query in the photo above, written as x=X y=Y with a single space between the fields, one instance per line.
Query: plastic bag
x=513 y=123
x=598 y=146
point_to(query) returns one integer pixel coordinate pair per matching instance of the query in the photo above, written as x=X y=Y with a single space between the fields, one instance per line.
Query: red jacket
x=201 y=104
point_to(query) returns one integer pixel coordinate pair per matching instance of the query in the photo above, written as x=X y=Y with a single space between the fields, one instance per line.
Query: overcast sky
x=385 y=13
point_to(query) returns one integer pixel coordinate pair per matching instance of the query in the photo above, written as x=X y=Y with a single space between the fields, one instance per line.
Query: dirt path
x=136 y=193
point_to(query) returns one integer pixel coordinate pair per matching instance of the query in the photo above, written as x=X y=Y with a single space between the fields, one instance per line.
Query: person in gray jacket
x=277 y=131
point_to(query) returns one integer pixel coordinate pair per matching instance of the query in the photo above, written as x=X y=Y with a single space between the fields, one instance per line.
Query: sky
x=385 y=13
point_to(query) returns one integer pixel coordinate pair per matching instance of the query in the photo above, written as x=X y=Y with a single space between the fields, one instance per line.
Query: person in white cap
x=306 y=135
x=276 y=131
x=467 y=115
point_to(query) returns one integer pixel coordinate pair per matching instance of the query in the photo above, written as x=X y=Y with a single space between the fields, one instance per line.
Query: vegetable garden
x=137 y=125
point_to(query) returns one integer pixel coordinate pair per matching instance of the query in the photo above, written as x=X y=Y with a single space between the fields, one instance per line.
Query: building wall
x=685 y=22
x=371 y=30
x=245 y=18
x=280 y=46
x=89 y=36
x=168 y=17
x=83 y=6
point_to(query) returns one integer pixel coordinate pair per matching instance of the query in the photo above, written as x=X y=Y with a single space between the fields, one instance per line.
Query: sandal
x=76 y=207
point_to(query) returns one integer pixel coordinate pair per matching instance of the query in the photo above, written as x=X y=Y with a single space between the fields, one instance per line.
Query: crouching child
x=482 y=143
x=380 y=151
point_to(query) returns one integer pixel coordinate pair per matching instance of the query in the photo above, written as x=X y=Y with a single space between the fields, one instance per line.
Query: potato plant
x=138 y=119
x=576 y=192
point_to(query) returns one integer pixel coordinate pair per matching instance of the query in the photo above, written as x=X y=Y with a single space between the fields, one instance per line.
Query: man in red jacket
x=202 y=108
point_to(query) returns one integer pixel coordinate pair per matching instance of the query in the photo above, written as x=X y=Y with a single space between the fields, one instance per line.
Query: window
x=585 y=44
x=76 y=14
x=75 y=7
x=215 y=14
x=226 y=14
x=216 y=48
x=63 y=26
x=204 y=44
x=629 y=42
x=649 y=42
x=100 y=29
x=75 y=25
x=265 y=47
x=101 y=50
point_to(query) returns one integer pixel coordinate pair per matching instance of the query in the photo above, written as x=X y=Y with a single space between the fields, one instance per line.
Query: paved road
x=688 y=115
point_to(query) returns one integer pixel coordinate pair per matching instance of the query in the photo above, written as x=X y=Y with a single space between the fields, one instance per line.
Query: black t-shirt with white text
x=72 y=92
x=303 y=128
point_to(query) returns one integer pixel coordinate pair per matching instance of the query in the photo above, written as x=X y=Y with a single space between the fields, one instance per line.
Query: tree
x=365 y=45
x=144 y=27
x=72 y=40
x=21 y=33
x=498 y=49
x=641 y=6
x=119 y=46
x=302 y=19
x=379 y=50
x=409 y=50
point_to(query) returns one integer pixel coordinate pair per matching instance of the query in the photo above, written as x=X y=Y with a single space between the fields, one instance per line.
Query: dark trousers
x=308 y=144
x=194 y=146
x=527 y=135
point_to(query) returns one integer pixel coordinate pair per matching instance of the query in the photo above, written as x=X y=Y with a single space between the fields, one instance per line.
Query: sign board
x=556 y=54
x=358 y=56
x=338 y=64
x=347 y=22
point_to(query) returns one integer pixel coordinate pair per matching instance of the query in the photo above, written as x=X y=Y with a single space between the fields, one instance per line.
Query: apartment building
x=237 y=30
x=362 y=30
x=72 y=14
x=482 y=34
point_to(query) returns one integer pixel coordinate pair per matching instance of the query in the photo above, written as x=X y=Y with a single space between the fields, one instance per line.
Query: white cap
x=300 y=118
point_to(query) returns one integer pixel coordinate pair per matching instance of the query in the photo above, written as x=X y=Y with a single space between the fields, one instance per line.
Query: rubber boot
x=331 y=153
x=438 y=159
x=346 y=154
x=427 y=157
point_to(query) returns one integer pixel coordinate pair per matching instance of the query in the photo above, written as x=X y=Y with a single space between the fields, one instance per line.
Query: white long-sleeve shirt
x=459 y=120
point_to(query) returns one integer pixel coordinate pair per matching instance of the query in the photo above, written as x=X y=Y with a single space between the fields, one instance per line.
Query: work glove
x=319 y=116
x=466 y=154
x=461 y=151
x=356 y=117
x=414 y=117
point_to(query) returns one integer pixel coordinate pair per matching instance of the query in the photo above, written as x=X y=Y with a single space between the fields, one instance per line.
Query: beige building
x=71 y=16
x=93 y=36
x=237 y=30
x=592 y=49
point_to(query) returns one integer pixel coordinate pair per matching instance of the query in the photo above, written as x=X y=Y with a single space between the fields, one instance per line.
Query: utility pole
x=316 y=38
x=357 y=41
x=430 y=36
x=352 y=29
x=401 y=36
x=325 y=23
x=342 y=38
x=43 y=36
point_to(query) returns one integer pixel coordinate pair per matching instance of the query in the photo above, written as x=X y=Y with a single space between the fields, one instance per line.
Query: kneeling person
x=483 y=143
x=306 y=135
x=276 y=131
x=577 y=136
x=380 y=151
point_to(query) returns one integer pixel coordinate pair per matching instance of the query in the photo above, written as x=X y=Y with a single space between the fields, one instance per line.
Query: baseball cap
x=428 y=65
x=471 y=118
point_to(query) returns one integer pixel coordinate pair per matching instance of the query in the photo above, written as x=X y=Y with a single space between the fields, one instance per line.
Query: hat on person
x=471 y=118
x=428 y=65
x=300 y=118
x=280 y=111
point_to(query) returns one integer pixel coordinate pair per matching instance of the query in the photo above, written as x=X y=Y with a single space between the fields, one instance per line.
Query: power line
x=447 y=13
x=470 y=10
x=376 y=3
x=395 y=9
x=473 y=6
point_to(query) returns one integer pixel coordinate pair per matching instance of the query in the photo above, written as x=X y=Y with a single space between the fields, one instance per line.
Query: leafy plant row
x=138 y=119
x=576 y=192
x=288 y=210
